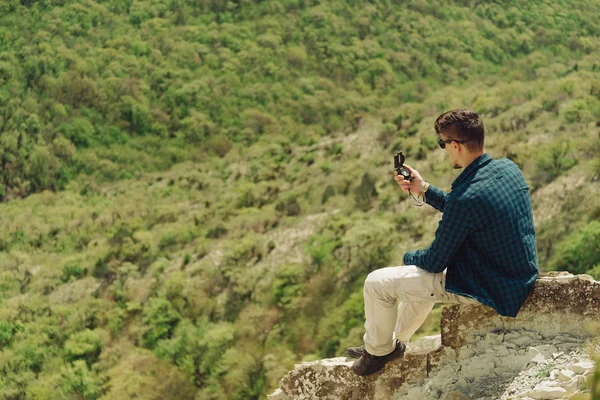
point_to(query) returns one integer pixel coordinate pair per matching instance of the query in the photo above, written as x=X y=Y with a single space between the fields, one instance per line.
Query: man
x=484 y=249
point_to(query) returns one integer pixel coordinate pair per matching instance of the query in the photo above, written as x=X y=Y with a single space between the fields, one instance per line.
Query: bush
x=288 y=285
x=142 y=373
x=578 y=111
x=553 y=161
x=338 y=321
x=216 y=232
x=365 y=192
x=329 y=192
x=580 y=252
x=7 y=330
x=220 y=145
x=77 y=379
x=387 y=134
x=365 y=247
x=594 y=272
x=289 y=206
x=85 y=345
x=73 y=269
x=160 y=318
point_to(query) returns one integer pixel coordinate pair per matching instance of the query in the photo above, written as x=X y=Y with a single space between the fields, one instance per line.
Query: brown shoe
x=368 y=364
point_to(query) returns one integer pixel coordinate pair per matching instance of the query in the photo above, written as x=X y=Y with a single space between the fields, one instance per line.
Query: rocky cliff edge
x=544 y=353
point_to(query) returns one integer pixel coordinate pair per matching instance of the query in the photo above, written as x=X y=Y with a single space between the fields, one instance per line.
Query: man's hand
x=414 y=186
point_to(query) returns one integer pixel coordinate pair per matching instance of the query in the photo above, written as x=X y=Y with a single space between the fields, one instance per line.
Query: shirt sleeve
x=449 y=236
x=436 y=198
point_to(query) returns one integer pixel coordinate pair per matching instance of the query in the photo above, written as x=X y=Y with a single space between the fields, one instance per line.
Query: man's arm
x=436 y=198
x=449 y=236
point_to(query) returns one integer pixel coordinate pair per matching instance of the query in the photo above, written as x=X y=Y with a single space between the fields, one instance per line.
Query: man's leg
x=382 y=290
x=411 y=315
x=410 y=318
x=416 y=289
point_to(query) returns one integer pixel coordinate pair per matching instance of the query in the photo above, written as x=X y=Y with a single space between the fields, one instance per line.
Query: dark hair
x=462 y=124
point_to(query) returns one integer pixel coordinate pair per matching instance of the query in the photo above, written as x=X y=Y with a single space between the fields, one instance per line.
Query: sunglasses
x=442 y=143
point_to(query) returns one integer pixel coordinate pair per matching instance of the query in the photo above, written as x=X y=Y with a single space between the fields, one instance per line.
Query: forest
x=192 y=192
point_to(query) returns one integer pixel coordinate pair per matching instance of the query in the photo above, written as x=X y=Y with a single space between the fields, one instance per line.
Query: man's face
x=452 y=151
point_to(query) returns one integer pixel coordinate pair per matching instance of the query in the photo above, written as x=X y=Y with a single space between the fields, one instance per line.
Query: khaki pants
x=397 y=302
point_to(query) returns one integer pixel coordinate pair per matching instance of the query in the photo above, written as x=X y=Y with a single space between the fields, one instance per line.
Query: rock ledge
x=543 y=353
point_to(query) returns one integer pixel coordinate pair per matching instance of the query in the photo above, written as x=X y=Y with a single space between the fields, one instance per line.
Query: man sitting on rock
x=484 y=249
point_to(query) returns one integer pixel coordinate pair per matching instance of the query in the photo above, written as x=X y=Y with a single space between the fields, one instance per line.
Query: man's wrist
x=424 y=189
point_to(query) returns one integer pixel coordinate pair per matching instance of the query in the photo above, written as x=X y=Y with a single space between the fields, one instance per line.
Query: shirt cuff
x=435 y=197
x=409 y=258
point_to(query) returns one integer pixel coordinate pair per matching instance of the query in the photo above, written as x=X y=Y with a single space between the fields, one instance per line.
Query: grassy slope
x=231 y=269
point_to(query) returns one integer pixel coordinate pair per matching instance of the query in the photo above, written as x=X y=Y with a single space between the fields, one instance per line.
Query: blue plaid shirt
x=486 y=238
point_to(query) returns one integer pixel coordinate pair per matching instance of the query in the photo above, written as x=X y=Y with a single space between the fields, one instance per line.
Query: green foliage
x=73 y=270
x=7 y=331
x=216 y=232
x=326 y=168
x=240 y=71
x=387 y=134
x=137 y=372
x=580 y=251
x=288 y=285
x=220 y=145
x=160 y=319
x=553 y=160
x=329 y=192
x=366 y=246
x=320 y=248
x=289 y=206
x=337 y=322
x=365 y=192
x=594 y=272
x=85 y=345
x=77 y=379
x=133 y=132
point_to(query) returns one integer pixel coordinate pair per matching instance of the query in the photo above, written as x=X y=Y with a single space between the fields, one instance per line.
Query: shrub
x=160 y=318
x=220 y=145
x=308 y=158
x=577 y=111
x=594 y=272
x=338 y=321
x=289 y=206
x=387 y=134
x=365 y=192
x=85 y=345
x=329 y=192
x=141 y=372
x=320 y=248
x=216 y=232
x=73 y=269
x=553 y=161
x=580 y=251
x=288 y=284
x=7 y=330
x=326 y=168
x=245 y=250
x=365 y=247
x=78 y=380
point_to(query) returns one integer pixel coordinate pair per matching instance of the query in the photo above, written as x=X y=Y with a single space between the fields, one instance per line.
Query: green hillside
x=194 y=191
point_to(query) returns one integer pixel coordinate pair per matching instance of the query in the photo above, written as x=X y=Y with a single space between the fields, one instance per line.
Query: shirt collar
x=477 y=163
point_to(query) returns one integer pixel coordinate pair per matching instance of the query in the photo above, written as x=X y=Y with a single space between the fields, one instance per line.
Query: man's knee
x=374 y=281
